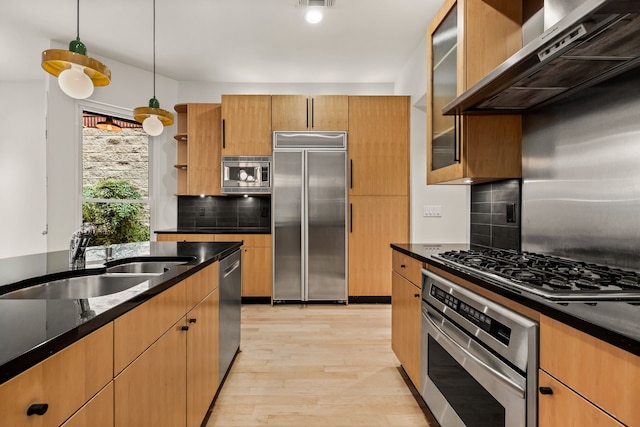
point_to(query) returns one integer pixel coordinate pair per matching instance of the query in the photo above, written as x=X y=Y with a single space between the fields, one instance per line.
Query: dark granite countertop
x=215 y=230
x=33 y=329
x=615 y=322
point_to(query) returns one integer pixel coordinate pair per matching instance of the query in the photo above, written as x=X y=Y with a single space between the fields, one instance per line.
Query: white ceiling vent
x=320 y=3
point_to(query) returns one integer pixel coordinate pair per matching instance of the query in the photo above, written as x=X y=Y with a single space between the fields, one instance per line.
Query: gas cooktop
x=551 y=277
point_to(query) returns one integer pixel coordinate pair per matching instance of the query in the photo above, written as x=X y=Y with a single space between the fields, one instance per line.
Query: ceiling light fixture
x=153 y=118
x=109 y=125
x=77 y=73
x=314 y=13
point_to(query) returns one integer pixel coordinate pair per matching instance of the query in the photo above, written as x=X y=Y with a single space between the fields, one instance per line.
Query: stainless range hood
x=595 y=41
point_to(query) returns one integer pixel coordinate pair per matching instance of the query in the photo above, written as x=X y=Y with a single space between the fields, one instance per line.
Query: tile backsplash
x=224 y=212
x=495 y=214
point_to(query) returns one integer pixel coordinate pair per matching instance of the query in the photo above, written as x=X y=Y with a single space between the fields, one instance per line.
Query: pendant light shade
x=77 y=73
x=109 y=125
x=153 y=118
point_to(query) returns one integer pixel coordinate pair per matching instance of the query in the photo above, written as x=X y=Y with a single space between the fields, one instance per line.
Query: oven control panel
x=491 y=326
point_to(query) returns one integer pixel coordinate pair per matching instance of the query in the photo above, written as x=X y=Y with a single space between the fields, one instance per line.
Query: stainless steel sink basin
x=120 y=275
x=77 y=287
x=142 y=267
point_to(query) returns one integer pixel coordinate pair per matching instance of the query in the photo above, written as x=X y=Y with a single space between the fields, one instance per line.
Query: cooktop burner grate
x=548 y=276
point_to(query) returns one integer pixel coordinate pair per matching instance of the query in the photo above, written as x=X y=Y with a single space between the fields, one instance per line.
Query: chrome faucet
x=78 y=245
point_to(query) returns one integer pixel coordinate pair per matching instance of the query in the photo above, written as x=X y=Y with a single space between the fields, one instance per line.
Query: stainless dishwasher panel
x=230 y=282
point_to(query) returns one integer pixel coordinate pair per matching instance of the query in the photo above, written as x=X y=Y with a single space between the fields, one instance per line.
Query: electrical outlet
x=432 y=211
x=201 y=212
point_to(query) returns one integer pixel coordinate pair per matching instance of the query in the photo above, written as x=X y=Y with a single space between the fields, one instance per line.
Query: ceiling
x=264 y=41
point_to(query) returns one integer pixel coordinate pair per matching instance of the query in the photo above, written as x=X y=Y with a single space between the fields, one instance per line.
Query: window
x=115 y=178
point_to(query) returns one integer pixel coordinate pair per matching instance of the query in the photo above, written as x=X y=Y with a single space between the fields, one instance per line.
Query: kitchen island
x=58 y=354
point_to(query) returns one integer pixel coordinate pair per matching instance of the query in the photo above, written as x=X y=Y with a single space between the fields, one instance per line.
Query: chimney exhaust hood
x=595 y=41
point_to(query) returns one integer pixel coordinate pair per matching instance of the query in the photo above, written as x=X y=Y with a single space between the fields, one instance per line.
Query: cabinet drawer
x=604 y=374
x=200 y=284
x=566 y=408
x=139 y=328
x=176 y=237
x=249 y=240
x=98 y=412
x=409 y=268
x=65 y=381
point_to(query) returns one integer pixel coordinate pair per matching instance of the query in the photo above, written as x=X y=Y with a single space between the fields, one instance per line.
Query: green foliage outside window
x=115 y=222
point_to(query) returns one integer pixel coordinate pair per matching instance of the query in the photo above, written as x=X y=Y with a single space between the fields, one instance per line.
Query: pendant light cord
x=154 y=48
x=78 y=20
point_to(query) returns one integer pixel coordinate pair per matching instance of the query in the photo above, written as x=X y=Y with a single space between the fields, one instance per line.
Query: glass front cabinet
x=465 y=41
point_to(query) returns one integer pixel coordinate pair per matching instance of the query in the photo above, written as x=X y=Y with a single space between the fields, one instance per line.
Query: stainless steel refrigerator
x=309 y=216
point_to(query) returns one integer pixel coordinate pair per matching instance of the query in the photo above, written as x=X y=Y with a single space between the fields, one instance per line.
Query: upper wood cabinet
x=301 y=112
x=198 y=146
x=246 y=125
x=465 y=41
x=378 y=145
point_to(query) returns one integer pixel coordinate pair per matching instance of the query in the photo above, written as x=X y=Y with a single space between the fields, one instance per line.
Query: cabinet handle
x=224 y=135
x=192 y=321
x=351 y=173
x=307 y=113
x=184 y=328
x=416 y=295
x=350 y=217
x=37 y=409
x=313 y=112
x=403 y=266
x=457 y=129
x=546 y=390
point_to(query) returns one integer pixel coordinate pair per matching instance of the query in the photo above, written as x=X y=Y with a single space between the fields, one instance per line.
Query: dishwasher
x=230 y=305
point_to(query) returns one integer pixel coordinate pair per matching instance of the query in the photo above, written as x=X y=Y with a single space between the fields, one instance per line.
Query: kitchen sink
x=119 y=275
x=77 y=287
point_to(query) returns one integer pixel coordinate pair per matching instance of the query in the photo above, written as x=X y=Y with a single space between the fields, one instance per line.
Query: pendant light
x=109 y=125
x=153 y=118
x=77 y=73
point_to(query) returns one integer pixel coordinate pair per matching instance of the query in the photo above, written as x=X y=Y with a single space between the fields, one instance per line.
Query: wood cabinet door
x=568 y=409
x=202 y=358
x=151 y=391
x=329 y=113
x=597 y=370
x=204 y=149
x=375 y=222
x=406 y=306
x=246 y=125
x=256 y=272
x=64 y=381
x=137 y=329
x=378 y=145
x=98 y=412
x=290 y=112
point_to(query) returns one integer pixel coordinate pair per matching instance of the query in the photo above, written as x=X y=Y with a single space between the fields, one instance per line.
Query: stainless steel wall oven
x=479 y=359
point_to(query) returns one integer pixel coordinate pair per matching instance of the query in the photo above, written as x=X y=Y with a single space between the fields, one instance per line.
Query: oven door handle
x=519 y=391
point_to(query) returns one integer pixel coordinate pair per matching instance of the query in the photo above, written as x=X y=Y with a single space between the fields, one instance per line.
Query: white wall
x=453 y=225
x=211 y=92
x=23 y=216
x=130 y=87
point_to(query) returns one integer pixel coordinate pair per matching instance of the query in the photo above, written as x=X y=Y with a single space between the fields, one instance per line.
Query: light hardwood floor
x=317 y=365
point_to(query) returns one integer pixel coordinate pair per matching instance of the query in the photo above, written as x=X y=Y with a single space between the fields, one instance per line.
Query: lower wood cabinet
x=257 y=276
x=151 y=390
x=568 y=409
x=202 y=358
x=64 y=381
x=98 y=412
x=589 y=378
x=375 y=223
x=406 y=309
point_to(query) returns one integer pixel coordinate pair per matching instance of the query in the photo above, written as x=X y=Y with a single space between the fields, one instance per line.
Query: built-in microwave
x=246 y=174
